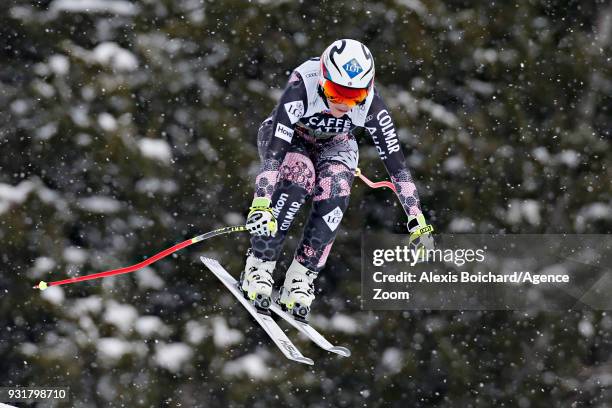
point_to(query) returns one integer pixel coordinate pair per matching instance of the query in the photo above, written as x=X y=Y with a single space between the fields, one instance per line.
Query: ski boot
x=256 y=281
x=297 y=293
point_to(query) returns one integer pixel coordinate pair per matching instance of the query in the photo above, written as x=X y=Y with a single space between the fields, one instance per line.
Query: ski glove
x=260 y=220
x=420 y=234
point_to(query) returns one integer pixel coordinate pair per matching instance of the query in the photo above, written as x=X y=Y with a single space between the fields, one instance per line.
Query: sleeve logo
x=295 y=110
x=333 y=218
x=284 y=132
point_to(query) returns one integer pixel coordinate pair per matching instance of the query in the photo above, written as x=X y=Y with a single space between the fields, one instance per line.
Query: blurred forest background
x=128 y=126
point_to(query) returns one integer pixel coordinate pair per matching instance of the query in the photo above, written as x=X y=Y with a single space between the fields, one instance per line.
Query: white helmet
x=348 y=63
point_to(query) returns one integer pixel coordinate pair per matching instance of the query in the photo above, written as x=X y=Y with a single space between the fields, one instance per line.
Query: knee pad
x=334 y=180
x=298 y=169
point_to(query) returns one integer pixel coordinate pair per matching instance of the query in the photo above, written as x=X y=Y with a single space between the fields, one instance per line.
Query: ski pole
x=370 y=183
x=42 y=285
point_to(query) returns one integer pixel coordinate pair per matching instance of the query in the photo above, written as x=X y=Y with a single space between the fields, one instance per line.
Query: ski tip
x=207 y=260
x=343 y=351
x=305 y=360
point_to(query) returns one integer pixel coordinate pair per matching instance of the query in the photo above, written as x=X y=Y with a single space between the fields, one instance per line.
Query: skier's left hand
x=420 y=234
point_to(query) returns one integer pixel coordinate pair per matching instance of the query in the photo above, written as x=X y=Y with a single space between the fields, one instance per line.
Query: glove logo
x=333 y=218
x=295 y=110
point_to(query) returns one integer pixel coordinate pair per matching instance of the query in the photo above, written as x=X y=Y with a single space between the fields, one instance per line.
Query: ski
x=310 y=332
x=265 y=321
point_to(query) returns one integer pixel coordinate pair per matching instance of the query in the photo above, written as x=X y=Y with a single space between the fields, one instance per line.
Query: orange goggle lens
x=341 y=94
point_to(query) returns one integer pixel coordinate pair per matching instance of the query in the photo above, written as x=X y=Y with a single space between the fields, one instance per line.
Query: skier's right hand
x=261 y=220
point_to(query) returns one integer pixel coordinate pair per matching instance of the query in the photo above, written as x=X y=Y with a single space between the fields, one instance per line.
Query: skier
x=308 y=150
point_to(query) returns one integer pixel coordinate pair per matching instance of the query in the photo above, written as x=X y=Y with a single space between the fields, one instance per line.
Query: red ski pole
x=42 y=285
x=370 y=183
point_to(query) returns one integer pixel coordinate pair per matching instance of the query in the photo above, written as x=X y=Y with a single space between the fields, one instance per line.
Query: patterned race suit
x=308 y=153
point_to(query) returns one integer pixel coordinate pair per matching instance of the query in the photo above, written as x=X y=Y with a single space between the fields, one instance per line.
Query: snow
x=461 y=224
x=52 y=197
x=585 y=328
x=88 y=93
x=113 y=348
x=44 y=89
x=148 y=279
x=99 y=204
x=118 y=7
x=42 y=69
x=54 y=295
x=414 y=5
x=592 y=212
x=223 y=336
x=570 y=158
x=251 y=365
x=523 y=210
x=20 y=12
x=154 y=185
x=19 y=106
x=14 y=194
x=112 y=55
x=90 y=330
x=344 y=323
x=392 y=360
x=91 y=304
x=120 y=315
x=83 y=139
x=59 y=64
x=233 y=218
x=407 y=101
x=196 y=332
x=439 y=113
x=531 y=211
x=47 y=131
x=29 y=349
x=150 y=326
x=483 y=88
x=454 y=164
x=107 y=122
x=75 y=255
x=300 y=39
x=365 y=393
x=485 y=56
x=541 y=154
x=513 y=215
x=79 y=116
x=207 y=150
x=172 y=356
x=43 y=264
x=106 y=388
x=157 y=149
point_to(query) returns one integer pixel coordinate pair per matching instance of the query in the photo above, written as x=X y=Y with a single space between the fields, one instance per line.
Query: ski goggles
x=343 y=95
